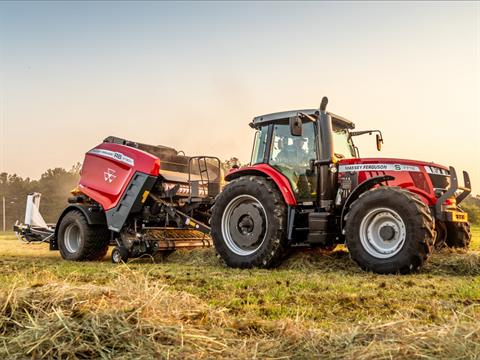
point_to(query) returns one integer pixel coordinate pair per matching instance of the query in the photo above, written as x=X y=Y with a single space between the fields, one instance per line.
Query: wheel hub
x=387 y=232
x=382 y=233
x=244 y=225
x=73 y=238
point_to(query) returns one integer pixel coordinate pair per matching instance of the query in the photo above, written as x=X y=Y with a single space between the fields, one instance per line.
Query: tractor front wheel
x=458 y=235
x=249 y=223
x=389 y=230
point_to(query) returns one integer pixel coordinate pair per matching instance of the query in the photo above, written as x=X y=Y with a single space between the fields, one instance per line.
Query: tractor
x=307 y=185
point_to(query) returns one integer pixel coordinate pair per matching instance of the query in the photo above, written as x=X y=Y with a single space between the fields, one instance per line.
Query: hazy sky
x=192 y=75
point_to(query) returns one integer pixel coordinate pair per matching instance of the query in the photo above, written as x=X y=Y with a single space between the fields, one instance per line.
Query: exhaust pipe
x=327 y=177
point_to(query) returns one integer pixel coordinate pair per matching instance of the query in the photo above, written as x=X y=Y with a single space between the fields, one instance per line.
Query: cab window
x=291 y=155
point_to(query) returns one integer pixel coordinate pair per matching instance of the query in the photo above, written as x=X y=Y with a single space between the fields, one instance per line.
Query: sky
x=193 y=75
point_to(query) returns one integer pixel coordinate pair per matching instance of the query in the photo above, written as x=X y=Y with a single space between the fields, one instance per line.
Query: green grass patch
x=189 y=305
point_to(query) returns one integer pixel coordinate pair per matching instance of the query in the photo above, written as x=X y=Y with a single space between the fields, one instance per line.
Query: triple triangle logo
x=109 y=175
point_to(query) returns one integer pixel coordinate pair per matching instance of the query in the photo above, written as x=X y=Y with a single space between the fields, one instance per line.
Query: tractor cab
x=292 y=143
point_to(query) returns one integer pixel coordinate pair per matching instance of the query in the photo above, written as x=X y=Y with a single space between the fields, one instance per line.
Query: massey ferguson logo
x=109 y=175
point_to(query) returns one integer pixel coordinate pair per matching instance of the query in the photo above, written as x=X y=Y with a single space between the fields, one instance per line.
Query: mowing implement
x=306 y=185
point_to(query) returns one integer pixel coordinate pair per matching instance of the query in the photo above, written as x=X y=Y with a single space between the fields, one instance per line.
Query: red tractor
x=308 y=186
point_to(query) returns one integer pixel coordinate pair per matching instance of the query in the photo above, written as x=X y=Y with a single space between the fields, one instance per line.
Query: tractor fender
x=360 y=189
x=282 y=183
x=93 y=215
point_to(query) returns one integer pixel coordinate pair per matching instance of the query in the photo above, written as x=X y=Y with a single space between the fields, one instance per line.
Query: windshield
x=343 y=144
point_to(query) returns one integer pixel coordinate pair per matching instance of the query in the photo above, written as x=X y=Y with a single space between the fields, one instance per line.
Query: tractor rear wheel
x=249 y=223
x=458 y=235
x=79 y=241
x=389 y=230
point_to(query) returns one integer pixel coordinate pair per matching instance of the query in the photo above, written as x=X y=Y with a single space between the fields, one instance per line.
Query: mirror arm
x=358 y=133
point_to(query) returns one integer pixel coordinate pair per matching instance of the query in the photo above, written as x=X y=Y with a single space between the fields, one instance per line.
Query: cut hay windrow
x=138 y=317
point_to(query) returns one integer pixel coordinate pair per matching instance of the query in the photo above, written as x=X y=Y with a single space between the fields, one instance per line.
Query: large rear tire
x=79 y=241
x=249 y=223
x=389 y=230
x=458 y=235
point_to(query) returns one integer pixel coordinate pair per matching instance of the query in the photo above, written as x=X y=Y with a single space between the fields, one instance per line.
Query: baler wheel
x=80 y=241
x=389 y=230
x=458 y=235
x=248 y=223
x=119 y=255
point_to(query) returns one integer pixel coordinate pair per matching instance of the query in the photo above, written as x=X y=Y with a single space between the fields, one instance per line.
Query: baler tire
x=458 y=235
x=274 y=246
x=93 y=239
x=119 y=255
x=418 y=231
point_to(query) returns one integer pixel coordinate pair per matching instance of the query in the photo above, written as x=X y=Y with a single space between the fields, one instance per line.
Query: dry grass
x=317 y=305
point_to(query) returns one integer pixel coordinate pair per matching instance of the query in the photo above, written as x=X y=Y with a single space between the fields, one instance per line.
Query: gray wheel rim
x=73 y=238
x=244 y=225
x=116 y=256
x=382 y=233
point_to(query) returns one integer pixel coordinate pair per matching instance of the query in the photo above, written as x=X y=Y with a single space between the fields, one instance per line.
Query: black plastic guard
x=132 y=200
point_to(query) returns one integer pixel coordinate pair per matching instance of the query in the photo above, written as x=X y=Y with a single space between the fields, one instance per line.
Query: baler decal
x=377 y=167
x=109 y=175
x=113 y=155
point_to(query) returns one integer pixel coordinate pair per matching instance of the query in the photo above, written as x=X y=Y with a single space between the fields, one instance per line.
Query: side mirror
x=379 y=142
x=296 y=126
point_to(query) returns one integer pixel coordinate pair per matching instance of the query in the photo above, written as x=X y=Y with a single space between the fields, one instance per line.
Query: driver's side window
x=293 y=151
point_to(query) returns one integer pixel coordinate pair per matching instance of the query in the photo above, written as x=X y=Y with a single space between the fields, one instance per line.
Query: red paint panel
x=280 y=180
x=108 y=168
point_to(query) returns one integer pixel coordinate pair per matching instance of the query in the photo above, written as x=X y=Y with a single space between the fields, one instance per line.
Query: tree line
x=55 y=185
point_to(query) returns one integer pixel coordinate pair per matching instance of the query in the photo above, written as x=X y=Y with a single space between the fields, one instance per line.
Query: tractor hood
x=420 y=177
x=390 y=164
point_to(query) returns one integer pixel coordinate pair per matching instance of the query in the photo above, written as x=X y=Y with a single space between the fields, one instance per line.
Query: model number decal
x=377 y=167
x=113 y=155
x=436 y=170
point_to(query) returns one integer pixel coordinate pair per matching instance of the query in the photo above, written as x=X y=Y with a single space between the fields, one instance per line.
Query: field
x=189 y=305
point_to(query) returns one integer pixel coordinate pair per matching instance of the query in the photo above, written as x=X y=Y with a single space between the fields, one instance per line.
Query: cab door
x=291 y=156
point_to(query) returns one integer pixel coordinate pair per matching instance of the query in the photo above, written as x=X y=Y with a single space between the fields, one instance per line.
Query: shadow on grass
x=444 y=262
